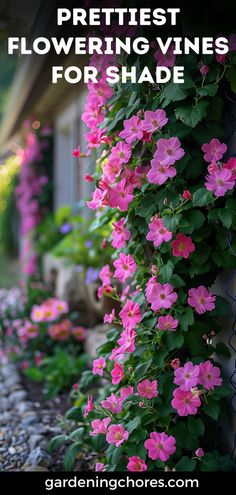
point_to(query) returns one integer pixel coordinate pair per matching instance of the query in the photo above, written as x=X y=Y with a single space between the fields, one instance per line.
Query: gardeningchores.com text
x=125 y=482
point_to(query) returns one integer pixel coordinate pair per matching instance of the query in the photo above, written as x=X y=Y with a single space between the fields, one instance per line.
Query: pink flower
x=209 y=375
x=100 y=426
x=121 y=195
x=182 y=246
x=88 y=178
x=100 y=467
x=111 y=170
x=130 y=315
x=187 y=195
x=158 y=233
x=214 y=150
x=117 y=435
x=175 y=363
x=199 y=453
x=105 y=275
x=187 y=376
x=160 y=173
x=89 y=406
x=117 y=374
x=125 y=266
x=220 y=59
x=121 y=152
x=165 y=59
x=167 y=323
x=154 y=120
x=231 y=165
x=126 y=391
x=204 y=69
x=148 y=389
x=113 y=404
x=77 y=152
x=37 y=314
x=79 y=333
x=162 y=296
x=120 y=234
x=98 y=366
x=185 y=402
x=169 y=151
x=201 y=300
x=136 y=464
x=109 y=318
x=132 y=130
x=219 y=182
x=127 y=341
x=99 y=199
x=160 y=446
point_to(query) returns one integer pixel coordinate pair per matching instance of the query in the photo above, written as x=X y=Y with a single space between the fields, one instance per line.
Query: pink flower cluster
x=167 y=153
x=187 y=397
x=50 y=310
x=221 y=177
x=63 y=330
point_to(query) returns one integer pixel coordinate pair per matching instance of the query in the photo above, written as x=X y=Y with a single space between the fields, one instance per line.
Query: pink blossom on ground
x=182 y=246
x=167 y=323
x=109 y=318
x=126 y=391
x=121 y=195
x=136 y=465
x=201 y=300
x=187 y=376
x=98 y=366
x=130 y=315
x=117 y=435
x=117 y=374
x=214 y=150
x=162 y=296
x=169 y=151
x=165 y=59
x=219 y=182
x=158 y=233
x=154 y=120
x=100 y=426
x=89 y=406
x=100 y=467
x=209 y=375
x=120 y=234
x=199 y=453
x=160 y=446
x=125 y=266
x=160 y=173
x=132 y=130
x=185 y=402
x=148 y=389
x=113 y=404
x=121 y=152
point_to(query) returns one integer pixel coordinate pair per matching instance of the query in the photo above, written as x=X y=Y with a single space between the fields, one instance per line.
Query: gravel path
x=25 y=428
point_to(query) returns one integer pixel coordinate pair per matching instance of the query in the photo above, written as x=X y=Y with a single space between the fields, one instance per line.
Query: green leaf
x=71 y=454
x=195 y=426
x=147 y=206
x=185 y=464
x=187 y=319
x=201 y=197
x=165 y=272
x=57 y=442
x=171 y=221
x=174 y=92
x=208 y=90
x=174 y=340
x=77 y=435
x=196 y=219
x=142 y=368
x=192 y=115
x=133 y=424
x=74 y=413
x=226 y=217
x=212 y=409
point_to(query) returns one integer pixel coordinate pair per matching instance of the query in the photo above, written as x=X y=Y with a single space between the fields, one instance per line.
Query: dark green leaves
x=192 y=115
x=201 y=197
